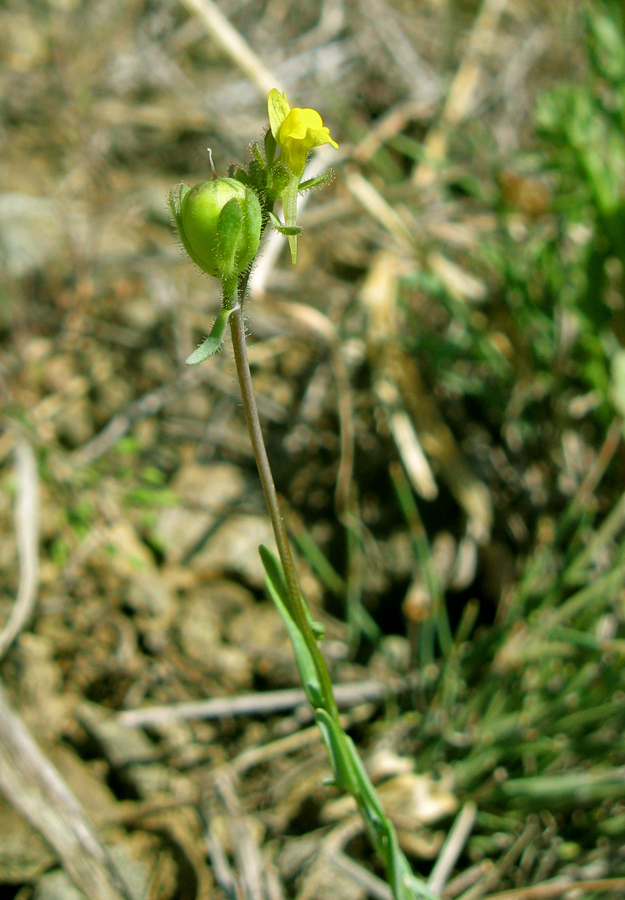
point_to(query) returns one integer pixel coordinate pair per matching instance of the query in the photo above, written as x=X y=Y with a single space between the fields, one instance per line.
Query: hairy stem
x=237 y=327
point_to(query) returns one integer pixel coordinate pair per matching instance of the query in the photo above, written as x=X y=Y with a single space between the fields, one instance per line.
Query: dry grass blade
x=452 y=848
x=379 y=208
x=230 y=40
x=461 y=93
x=492 y=878
x=373 y=885
x=246 y=851
x=561 y=888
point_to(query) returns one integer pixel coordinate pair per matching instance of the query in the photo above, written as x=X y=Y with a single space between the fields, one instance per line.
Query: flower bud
x=219 y=223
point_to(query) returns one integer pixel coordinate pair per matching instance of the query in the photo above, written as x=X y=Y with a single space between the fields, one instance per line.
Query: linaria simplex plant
x=220 y=223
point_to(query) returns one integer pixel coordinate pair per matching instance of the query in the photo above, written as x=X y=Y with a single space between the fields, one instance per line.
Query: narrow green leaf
x=336 y=744
x=213 y=341
x=270 y=561
x=278 y=592
x=284 y=229
x=317 y=181
x=290 y=230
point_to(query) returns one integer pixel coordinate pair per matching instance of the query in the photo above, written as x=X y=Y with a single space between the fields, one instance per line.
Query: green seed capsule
x=219 y=223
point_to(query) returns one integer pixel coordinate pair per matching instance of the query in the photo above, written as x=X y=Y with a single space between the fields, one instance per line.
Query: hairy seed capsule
x=219 y=223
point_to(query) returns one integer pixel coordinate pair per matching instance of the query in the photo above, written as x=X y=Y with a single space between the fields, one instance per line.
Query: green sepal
x=288 y=230
x=213 y=342
x=175 y=198
x=270 y=146
x=278 y=179
x=257 y=172
x=276 y=586
x=318 y=181
x=239 y=174
x=228 y=233
x=257 y=154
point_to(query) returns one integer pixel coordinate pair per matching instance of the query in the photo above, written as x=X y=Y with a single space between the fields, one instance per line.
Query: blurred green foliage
x=558 y=255
x=586 y=125
x=529 y=713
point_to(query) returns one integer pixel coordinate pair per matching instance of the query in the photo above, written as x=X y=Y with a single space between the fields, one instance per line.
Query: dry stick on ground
x=27 y=779
x=331 y=852
x=34 y=787
x=265 y=703
x=27 y=534
x=373 y=885
x=246 y=851
x=468 y=877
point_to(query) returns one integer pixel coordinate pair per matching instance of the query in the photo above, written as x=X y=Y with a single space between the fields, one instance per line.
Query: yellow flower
x=296 y=131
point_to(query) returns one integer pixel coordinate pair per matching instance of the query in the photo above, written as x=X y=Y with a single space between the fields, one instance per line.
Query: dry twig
x=37 y=791
x=27 y=533
x=233 y=44
x=265 y=703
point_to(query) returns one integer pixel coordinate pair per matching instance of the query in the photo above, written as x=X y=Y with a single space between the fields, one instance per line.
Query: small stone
x=234 y=549
x=233 y=665
x=149 y=596
x=179 y=530
x=128 y=554
x=199 y=628
x=212 y=487
x=205 y=493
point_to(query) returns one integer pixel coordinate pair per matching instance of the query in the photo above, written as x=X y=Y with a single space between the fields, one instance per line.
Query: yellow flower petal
x=278 y=108
x=300 y=131
x=295 y=131
x=298 y=122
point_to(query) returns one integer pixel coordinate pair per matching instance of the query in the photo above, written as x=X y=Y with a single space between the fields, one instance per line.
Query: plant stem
x=237 y=328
